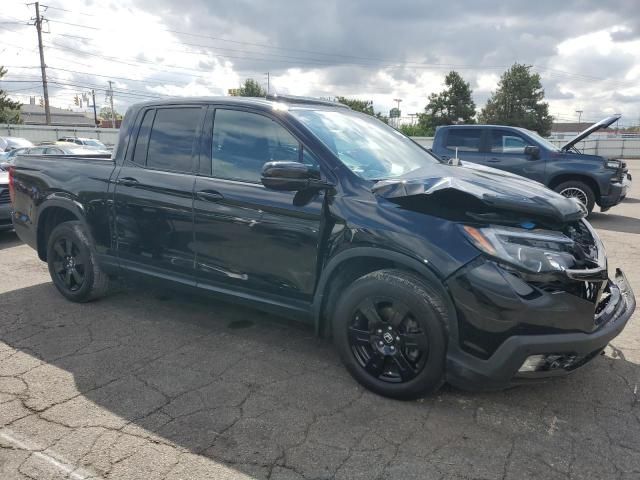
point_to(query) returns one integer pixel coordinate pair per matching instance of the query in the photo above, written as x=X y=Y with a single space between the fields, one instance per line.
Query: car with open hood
x=591 y=179
x=421 y=271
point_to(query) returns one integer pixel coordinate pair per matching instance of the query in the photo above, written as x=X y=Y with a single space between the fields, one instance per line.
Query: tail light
x=12 y=188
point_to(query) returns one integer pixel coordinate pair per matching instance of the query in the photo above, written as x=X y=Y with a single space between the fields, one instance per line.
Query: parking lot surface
x=152 y=384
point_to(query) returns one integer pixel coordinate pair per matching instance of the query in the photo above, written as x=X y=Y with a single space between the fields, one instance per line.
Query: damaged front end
x=538 y=300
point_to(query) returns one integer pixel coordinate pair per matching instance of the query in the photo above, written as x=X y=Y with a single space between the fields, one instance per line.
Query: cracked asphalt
x=152 y=384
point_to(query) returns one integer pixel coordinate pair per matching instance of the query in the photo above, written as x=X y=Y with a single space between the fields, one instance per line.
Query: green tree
x=364 y=106
x=105 y=113
x=9 y=110
x=416 y=130
x=251 y=88
x=451 y=106
x=518 y=101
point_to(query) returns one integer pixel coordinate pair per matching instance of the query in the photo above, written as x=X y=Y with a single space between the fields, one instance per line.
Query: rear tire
x=579 y=190
x=390 y=329
x=72 y=264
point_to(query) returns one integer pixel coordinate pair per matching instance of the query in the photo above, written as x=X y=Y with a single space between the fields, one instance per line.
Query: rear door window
x=142 y=141
x=464 y=139
x=172 y=139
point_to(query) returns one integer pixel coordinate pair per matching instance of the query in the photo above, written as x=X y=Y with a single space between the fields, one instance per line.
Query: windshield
x=94 y=143
x=370 y=148
x=16 y=142
x=544 y=142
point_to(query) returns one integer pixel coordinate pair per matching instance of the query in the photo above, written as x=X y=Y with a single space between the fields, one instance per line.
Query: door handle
x=494 y=160
x=209 y=195
x=128 y=181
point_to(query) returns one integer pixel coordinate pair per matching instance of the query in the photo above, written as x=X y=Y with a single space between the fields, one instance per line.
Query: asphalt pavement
x=154 y=384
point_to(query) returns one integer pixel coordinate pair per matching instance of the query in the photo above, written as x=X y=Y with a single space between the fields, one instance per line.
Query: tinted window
x=464 y=139
x=140 y=151
x=503 y=141
x=172 y=138
x=243 y=142
x=36 y=151
x=54 y=151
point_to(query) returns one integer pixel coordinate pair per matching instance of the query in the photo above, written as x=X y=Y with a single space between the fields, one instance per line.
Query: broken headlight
x=538 y=251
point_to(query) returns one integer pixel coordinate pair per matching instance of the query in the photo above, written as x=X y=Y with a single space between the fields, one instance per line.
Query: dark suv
x=420 y=271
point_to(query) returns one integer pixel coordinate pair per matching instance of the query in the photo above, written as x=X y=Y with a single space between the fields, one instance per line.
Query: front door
x=154 y=194
x=506 y=152
x=247 y=237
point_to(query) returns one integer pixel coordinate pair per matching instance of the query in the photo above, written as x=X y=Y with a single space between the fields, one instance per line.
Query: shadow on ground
x=9 y=239
x=159 y=370
x=615 y=223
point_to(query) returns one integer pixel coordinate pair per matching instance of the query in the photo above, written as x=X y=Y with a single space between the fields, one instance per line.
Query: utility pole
x=43 y=68
x=579 y=112
x=268 y=81
x=398 y=100
x=95 y=114
x=113 y=112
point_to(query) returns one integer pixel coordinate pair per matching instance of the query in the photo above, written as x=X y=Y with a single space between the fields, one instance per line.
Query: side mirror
x=532 y=151
x=291 y=176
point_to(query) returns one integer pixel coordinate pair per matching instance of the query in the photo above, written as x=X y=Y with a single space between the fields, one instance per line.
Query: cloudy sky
x=587 y=52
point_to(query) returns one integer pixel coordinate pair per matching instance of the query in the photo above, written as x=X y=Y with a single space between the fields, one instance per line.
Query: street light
x=579 y=112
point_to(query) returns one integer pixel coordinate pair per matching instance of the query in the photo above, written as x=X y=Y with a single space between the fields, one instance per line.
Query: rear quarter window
x=464 y=139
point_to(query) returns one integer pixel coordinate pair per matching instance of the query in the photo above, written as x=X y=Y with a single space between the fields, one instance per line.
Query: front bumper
x=500 y=369
x=617 y=192
x=5 y=216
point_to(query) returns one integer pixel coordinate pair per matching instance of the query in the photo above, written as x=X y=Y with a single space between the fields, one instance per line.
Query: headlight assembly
x=615 y=164
x=537 y=251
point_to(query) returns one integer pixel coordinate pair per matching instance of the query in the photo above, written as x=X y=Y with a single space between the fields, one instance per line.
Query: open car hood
x=485 y=189
x=604 y=123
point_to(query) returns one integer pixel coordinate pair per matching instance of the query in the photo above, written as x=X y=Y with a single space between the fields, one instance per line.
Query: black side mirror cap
x=532 y=151
x=292 y=176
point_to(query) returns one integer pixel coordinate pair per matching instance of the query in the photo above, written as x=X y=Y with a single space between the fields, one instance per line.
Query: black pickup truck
x=421 y=271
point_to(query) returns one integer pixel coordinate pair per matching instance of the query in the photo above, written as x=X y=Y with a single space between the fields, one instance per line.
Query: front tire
x=390 y=329
x=578 y=190
x=72 y=264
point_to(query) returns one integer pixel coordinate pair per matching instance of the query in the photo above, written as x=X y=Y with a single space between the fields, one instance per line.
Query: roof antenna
x=455 y=161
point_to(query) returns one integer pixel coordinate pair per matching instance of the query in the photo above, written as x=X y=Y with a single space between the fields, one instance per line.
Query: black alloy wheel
x=390 y=328
x=72 y=263
x=68 y=264
x=387 y=340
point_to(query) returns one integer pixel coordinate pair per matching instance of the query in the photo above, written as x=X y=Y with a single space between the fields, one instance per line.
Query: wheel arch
x=355 y=262
x=568 y=177
x=53 y=213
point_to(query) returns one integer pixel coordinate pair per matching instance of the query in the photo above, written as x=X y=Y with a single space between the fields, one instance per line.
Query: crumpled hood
x=495 y=188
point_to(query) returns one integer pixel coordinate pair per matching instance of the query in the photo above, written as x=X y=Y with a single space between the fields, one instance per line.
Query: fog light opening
x=547 y=362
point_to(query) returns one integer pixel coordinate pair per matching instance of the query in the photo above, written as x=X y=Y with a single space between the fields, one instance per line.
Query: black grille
x=4 y=196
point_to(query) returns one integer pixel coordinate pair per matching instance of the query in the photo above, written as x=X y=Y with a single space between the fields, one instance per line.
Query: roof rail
x=304 y=100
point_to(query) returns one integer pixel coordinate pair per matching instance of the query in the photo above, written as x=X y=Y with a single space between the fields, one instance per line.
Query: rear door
x=247 y=237
x=506 y=152
x=154 y=193
x=467 y=142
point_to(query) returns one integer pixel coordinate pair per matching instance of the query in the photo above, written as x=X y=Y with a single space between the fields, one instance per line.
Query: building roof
x=34 y=115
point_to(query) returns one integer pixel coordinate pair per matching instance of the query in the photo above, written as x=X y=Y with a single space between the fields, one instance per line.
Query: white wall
x=42 y=133
x=608 y=147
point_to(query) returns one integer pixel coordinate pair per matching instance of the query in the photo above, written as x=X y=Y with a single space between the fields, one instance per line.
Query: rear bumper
x=501 y=368
x=5 y=216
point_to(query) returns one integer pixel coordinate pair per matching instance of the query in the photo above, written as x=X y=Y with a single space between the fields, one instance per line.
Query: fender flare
x=423 y=269
x=63 y=201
